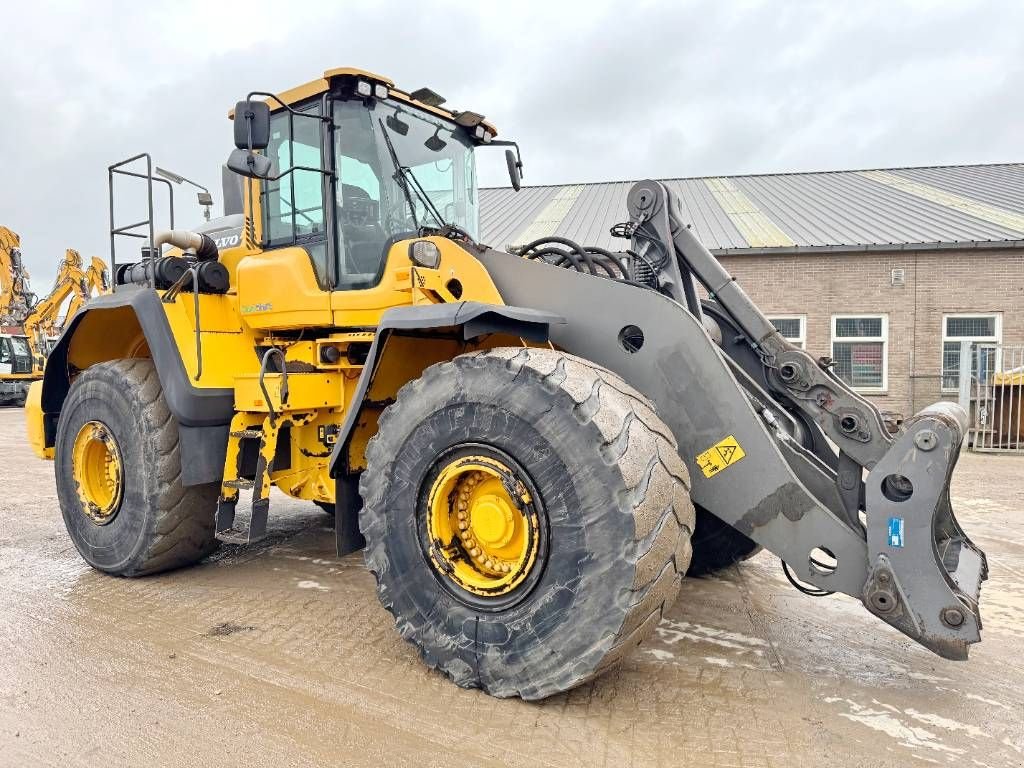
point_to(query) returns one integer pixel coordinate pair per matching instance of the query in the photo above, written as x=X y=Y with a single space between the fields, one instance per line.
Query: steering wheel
x=358 y=207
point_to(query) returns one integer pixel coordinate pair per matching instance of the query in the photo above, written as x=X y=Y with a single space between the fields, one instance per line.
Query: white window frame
x=884 y=338
x=800 y=341
x=997 y=339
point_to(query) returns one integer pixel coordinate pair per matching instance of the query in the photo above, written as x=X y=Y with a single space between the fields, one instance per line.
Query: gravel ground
x=280 y=655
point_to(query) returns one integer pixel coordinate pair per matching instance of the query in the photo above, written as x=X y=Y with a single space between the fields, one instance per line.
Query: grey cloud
x=593 y=91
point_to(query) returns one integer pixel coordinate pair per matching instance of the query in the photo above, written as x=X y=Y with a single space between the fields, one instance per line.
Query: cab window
x=20 y=346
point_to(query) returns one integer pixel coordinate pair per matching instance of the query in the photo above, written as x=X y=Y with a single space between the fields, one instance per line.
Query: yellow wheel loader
x=518 y=440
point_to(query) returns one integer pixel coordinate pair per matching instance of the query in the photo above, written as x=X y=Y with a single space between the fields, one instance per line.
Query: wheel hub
x=98 y=472
x=482 y=526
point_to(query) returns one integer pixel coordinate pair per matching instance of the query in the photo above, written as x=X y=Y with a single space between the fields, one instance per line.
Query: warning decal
x=722 y=454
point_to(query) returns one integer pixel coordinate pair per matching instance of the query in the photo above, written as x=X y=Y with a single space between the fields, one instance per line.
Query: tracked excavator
x=517 y=441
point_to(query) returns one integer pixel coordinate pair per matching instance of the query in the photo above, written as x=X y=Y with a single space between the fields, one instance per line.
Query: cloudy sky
x=593 y=90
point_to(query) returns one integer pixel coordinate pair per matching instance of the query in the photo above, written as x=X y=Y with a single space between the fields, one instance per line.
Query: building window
x=859 y=349
x=972 y=328
x=792 y=327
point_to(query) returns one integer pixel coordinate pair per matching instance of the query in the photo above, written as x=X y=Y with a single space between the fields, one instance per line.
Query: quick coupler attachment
x=925 y=574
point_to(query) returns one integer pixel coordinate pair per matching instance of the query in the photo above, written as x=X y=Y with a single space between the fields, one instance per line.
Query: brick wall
x=820 y=285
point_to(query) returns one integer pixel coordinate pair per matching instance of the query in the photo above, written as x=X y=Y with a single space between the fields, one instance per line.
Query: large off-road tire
x=717 y=545
x=152 y=523
x=610 y=496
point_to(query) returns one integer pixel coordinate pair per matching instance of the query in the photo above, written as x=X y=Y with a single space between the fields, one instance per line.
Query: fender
x=465 y=321
x=203 y=414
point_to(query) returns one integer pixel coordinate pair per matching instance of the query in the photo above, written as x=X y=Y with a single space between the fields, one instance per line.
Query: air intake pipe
x=203 y=245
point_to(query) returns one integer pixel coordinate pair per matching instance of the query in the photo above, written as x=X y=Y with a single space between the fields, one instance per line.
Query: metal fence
x=992 y=389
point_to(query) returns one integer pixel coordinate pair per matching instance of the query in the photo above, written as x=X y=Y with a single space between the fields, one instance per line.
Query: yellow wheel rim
x=97 y=471
x=483 y=528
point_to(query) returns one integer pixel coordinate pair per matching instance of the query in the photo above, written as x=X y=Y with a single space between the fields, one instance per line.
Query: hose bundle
x=590 y=259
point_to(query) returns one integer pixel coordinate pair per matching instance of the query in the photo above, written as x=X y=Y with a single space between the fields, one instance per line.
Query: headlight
x=363 y=88
x=424 y=253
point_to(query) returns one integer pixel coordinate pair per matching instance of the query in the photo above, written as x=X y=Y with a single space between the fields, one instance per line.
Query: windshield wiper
x=406 y=179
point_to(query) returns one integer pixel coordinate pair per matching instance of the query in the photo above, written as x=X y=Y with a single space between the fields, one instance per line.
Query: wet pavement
x=279 y=655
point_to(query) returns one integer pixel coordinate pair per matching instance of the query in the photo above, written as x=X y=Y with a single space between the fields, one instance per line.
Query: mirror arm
x=508 y=143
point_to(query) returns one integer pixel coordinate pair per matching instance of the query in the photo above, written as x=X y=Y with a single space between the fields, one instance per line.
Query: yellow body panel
x=306 y=392
x=404 y=283
x=34 y=421
x=278 y=290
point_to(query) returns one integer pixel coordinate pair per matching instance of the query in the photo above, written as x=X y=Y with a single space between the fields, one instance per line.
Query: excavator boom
x=16 y=298
x=74 y=285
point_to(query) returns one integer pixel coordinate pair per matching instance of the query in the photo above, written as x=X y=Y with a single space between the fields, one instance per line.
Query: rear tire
x=613 y=510
x=157 y=524
x=717 y=545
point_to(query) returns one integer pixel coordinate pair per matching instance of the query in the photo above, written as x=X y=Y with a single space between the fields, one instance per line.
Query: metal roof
x=880 y=209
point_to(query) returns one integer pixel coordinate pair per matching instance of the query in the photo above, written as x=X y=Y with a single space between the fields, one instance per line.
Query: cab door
x=6 y=356
x=288 y=284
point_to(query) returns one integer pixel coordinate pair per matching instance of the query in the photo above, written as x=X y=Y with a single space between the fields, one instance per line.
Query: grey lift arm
x=777 y=446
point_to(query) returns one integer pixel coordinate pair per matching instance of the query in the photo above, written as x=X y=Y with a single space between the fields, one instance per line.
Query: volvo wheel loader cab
x=517 y=439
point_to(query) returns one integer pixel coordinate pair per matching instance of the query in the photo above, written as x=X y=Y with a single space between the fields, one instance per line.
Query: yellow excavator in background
x=16 y=300
x=44 y=322
x=30 y=327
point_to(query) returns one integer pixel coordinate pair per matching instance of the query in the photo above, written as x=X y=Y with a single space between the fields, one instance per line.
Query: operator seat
x=362 y=236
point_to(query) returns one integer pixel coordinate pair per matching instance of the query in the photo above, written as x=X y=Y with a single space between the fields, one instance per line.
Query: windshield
x=376 y=203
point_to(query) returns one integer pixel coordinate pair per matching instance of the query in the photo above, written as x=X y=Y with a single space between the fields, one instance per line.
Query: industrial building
x=885 y=271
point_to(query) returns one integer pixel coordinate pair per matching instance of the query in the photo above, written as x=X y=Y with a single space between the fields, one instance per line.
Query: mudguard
x=203 y=414
x=470 y=319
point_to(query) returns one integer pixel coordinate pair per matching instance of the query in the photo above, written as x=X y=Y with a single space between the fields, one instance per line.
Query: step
x=229 y=532
x=241 y=484
x=237 y=536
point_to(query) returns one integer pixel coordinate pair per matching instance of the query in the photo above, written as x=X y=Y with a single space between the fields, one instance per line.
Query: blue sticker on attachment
x=896 y=532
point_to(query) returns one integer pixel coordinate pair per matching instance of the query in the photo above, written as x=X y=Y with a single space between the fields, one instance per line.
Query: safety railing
x=991 y=382
x=147 y=224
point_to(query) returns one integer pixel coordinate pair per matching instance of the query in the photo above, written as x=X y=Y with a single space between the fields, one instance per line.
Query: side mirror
x=514 y=170
x=252 y=119
x=250 y=165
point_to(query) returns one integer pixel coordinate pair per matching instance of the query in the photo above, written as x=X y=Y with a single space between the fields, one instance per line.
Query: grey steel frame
x=776 y=401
